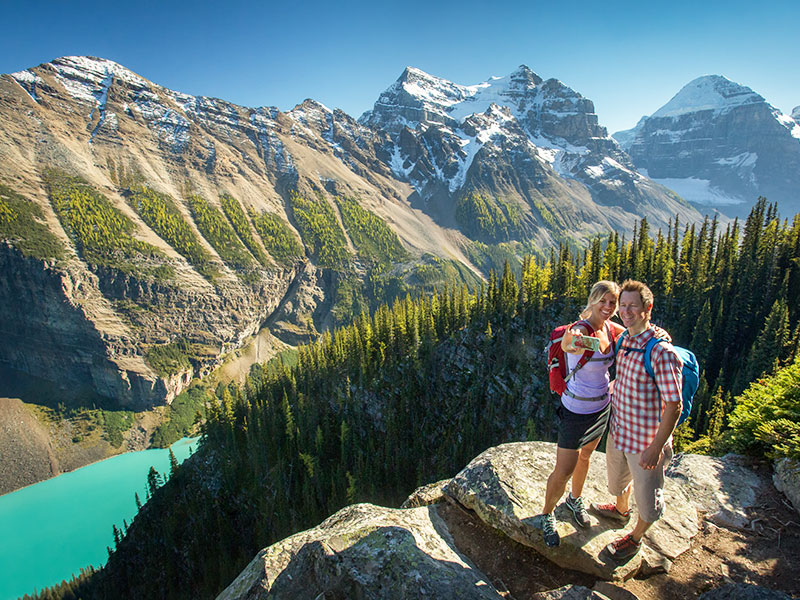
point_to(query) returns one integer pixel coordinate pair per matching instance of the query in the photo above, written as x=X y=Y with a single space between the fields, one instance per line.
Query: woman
x=585 y=408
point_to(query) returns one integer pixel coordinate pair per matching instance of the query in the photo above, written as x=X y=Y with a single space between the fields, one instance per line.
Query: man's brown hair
x=631 y=285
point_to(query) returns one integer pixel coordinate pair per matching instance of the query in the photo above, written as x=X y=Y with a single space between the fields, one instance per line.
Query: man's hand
x=651 y=457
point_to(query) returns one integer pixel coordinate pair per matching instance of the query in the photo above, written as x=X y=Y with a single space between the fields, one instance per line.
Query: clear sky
x=629 y=58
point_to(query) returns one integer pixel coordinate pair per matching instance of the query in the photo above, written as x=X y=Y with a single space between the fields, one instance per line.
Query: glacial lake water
x=49 y=530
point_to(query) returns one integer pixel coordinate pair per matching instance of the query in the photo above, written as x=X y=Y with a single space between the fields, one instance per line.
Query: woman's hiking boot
x=624 y=548
x=547 y=524
x=578 y=510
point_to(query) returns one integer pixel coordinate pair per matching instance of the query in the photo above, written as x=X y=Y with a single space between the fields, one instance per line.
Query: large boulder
x=723 y=488
x=364 y=551
x=787 y=479
x=506 y=486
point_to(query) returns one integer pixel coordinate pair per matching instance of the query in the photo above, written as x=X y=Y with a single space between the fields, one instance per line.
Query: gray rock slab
x=570 y=592
x=787 y=479
x=723 y=488
x=364 y=551
x=426 y=495
x=505 y=486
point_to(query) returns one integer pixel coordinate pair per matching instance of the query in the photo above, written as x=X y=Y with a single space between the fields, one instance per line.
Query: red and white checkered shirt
x=636 y=405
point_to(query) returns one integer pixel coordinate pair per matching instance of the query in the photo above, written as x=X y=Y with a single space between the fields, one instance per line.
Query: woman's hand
x=568 y=341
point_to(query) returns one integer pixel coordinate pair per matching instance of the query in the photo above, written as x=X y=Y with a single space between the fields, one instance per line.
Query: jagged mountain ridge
x=96 y=119
x=720 y=144
x=535 y=142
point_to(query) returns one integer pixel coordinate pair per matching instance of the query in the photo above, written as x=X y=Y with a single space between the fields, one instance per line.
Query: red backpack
x=557 y=360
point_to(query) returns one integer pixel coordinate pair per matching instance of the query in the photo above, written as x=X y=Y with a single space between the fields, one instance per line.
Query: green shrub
x=115 y=423
x=163 y=217
x=20 y=224
x=168 y=359
x=320 y=230
x=181 y=416
x=215 y=228
x=374 y=239
x=236 y=216
x=765 y=419
x=278 y=239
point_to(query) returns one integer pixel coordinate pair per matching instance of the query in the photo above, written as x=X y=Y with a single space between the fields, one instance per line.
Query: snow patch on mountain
x=27 y=80
x=791 y=123
x=710 y=92
x=699 y=191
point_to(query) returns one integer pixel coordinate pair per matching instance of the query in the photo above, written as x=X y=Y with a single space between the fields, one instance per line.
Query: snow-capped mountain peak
x=709 y=92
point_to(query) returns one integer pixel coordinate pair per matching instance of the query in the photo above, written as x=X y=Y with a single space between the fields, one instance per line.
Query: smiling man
x=645 y=410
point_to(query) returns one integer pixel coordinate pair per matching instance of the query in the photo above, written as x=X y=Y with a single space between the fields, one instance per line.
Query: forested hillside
x=411 y=394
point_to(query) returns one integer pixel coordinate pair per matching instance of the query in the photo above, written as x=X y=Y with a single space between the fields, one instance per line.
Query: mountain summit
x=720 y=144
x=536 y=144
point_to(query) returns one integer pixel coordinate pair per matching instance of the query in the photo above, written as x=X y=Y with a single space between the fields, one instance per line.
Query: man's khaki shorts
x=648 y=485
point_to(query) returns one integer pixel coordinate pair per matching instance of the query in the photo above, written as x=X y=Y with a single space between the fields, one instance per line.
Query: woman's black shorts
x=576 y=430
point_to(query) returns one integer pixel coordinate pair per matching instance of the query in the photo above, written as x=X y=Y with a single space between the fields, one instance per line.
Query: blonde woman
x=584 y=409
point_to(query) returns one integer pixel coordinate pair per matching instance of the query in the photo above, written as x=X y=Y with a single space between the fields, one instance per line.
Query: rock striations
x=373 y=552
x=720 y=144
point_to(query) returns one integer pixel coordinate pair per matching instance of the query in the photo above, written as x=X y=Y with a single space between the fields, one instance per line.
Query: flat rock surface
x=506 y=484
x=723 y=488
x=364 y=551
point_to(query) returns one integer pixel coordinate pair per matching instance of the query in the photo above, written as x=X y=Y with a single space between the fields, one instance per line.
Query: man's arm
x=667 y=370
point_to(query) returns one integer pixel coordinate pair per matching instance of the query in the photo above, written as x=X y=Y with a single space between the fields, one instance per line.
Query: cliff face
x=91 y=330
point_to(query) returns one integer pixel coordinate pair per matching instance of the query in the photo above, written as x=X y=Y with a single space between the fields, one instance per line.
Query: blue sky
x=628 y=57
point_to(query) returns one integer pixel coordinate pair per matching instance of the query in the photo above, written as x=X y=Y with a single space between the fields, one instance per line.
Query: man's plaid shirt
x=636 y=404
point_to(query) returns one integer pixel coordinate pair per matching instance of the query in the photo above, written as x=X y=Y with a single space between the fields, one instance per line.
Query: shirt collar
x=644 y=337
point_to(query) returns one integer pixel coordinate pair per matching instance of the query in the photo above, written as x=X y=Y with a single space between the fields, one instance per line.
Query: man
x=644 y=413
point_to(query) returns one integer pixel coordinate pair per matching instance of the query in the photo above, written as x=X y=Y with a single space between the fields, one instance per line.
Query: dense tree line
x=162 y=216
x=21 y=223
x=102 y=234
x=375 y=241
x=278 y=239
x=233 y=210
x=410 y=394
x=218 y=232
x=494 y=220
x=320 y=230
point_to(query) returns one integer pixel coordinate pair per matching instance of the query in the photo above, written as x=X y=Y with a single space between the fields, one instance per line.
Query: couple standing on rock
x=643 y=413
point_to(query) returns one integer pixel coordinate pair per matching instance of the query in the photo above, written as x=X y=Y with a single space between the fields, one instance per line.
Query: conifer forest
x=410 y=394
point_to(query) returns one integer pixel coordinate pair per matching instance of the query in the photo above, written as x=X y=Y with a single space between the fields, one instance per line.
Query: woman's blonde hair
x=599 y=289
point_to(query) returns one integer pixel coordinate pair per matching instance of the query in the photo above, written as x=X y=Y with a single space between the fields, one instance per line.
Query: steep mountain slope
x=719 y=144
x=514 y=157
x=148 y=232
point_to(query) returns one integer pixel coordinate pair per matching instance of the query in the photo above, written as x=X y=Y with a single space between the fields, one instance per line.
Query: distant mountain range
x=440 y=182
x=720 y=145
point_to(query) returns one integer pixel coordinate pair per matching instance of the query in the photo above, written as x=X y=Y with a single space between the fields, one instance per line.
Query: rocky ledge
x=366 y=551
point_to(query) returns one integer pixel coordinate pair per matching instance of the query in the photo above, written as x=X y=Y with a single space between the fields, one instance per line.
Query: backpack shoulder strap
x=648 y=353
x=618 y=343
x=585 y=356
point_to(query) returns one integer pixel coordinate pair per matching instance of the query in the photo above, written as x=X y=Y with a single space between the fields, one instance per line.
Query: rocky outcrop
x=722 y=488
x=506 y=486
x=787 y=479
x=364 y=551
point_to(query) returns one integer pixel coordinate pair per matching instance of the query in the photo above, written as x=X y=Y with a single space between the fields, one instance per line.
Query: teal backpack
x=690 y=373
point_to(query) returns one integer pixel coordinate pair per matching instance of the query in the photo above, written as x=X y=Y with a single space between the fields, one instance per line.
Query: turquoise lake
x=49 y=530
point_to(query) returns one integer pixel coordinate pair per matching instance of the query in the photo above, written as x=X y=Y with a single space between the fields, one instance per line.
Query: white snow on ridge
x=790 y=123
x=745 y=159
x=699 y=191
x=710 y=92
